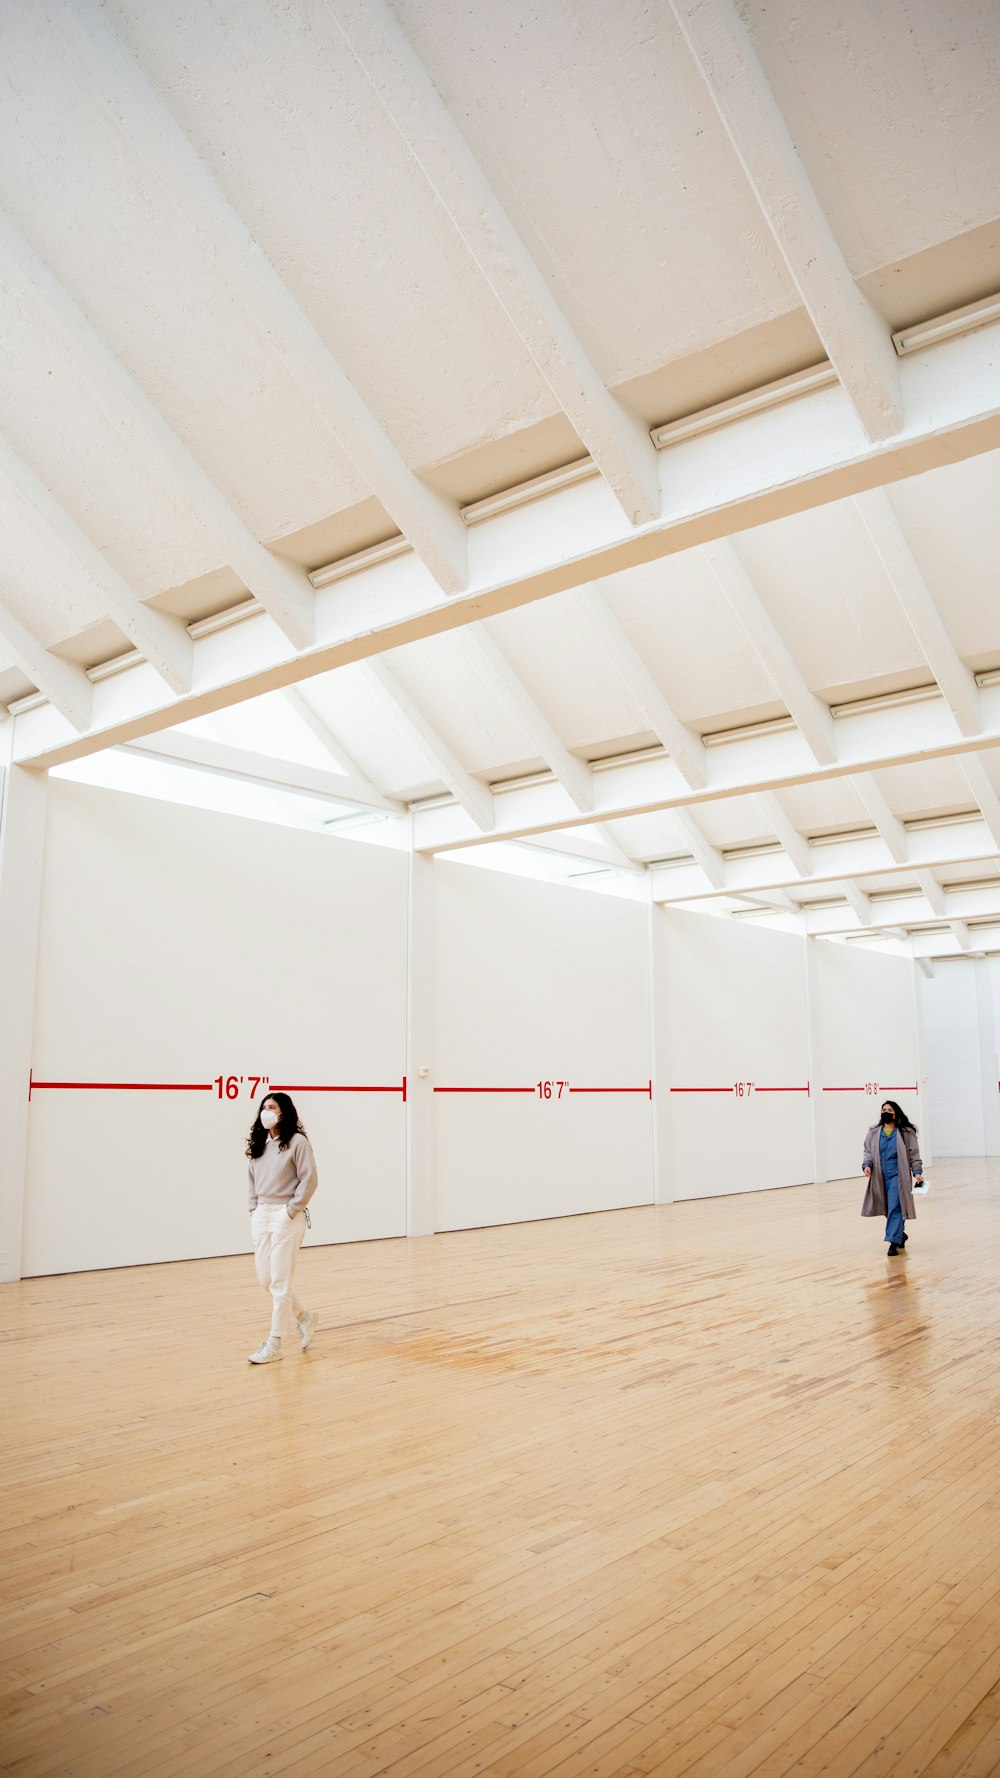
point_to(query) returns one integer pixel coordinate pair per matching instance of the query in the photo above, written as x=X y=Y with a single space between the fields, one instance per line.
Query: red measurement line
x=118 y=1086
x=844 y=1090
x=701 y=1089
x=486 y=1089
x=340 y=1089
x=646 y=1091
x=805 y=1089
x=913 y=1089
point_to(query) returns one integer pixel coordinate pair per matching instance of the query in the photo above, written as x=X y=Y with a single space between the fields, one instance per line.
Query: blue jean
x=894 y=1220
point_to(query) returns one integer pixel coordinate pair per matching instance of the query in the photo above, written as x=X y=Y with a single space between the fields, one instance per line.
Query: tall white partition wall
x=732 y=1057
x=961 y=1004
x=185 y=948
x=865 y=1048
x=537 y=985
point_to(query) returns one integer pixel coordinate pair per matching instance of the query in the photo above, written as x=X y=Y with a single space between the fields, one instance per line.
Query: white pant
x=277 y=1238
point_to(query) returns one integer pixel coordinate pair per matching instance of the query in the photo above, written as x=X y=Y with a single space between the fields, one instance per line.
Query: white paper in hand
x=922 y=1190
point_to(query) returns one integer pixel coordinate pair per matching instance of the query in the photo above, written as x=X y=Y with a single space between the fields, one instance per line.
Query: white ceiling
x=281 y=281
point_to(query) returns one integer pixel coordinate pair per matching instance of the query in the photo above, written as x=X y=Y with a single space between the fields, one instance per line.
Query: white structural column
x=856 y=338
x=957 y=684
x=794 y=844
x=617 y=440
x=814 y=1058
x=64 y=683
x=420 y=1046
x=284 y=591
x=808 y=711
x=889 y=825
x=590 y=607
x=162 y=639
x=22 y=843
x=493 y=666
x=432 y=525
x=472 y=796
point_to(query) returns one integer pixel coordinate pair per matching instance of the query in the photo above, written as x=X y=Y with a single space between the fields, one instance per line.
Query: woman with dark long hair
x=892 y=1166
x=282 y=1180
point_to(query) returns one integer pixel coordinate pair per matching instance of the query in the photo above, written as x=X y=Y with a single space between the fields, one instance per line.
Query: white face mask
x=269 y=1119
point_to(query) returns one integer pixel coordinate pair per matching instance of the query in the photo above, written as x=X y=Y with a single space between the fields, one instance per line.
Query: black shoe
x=893 y=1250
x=904 y=1240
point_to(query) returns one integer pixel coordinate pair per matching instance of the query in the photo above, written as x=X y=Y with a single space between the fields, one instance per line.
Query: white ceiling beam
x=759 y=467
x=887 y=824
x=856 y=338
x=575 y=845
x=707 y=857
x=617 y=440
x=362 y=788
x=931 y=890
x=162 y=640
x=206 y=755
x=284 y=591
x=858 y=902
x=808 y=711
x=958 y=685
x=926 y=967
x=431 y=524
x=493 y=668
x=64 y=683
x=774 y=898
x=685 y=749
x=473 y=798
x=976 y=775
x=904 y=914
x=794 y=844
x=962 y=933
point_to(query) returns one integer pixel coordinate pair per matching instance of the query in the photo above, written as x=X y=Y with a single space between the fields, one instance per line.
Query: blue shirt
x=888 y=1155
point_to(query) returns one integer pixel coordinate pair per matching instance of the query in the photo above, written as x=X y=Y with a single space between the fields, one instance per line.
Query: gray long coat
x=908 y=1156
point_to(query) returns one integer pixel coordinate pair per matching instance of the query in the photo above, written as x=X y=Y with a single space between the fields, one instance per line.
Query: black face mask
x=888 y=1120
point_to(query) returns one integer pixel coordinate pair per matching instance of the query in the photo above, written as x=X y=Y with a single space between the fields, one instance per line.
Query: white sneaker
x=307 y=1326
x=266 y=1353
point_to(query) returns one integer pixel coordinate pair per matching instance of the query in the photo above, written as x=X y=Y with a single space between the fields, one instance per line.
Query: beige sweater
x=284 y=1175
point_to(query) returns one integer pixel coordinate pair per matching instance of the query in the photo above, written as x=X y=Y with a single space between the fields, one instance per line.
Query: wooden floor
x=710 y=1489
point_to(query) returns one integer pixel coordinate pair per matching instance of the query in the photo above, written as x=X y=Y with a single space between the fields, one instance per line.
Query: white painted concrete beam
x=808 y=711
x=856 y=338
x=904 y=576
x=760 y=467
x=931 y=890
x=980 y=784
x=362 y=789
x=589 y=607
x=889 y=826
x=432 y=525
x=66 y=685
x=617 y=440
x=473 y=798
x=206 y=755
x=494 y=668
x=858 y=902
x=707 y=857
x=794 y=844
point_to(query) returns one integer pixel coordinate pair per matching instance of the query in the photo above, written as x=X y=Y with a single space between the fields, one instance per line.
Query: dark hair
x=287 y=1126
x=902 y=1121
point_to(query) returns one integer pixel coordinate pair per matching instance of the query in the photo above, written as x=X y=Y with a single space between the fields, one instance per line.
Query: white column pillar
x=420 y=1047
x=988 y=1051
x=659 y=1014
x=814 y=1061
x=22 y=843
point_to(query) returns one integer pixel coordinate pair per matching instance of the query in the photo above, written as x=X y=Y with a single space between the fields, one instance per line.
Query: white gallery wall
x=732 y=1056
x=538 y=984
x=178 y=947
x=961 y=1015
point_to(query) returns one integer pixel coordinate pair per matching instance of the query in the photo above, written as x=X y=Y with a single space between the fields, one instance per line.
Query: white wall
x=865 y=1041
x=536 y=982
x=961 y=1004
x=730 y=1007
x=176 y=945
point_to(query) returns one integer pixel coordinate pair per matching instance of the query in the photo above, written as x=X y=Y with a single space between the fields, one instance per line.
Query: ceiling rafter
x=162 y=640
x=903 y=573
x=856 y=338
x=284 y=591
x=363 y=790
x=962 y=933
x=907 y=914
x=888 y=825
x=931 y=891
x=617 y=440
x=708 y=857
x=807 y=711
x=684 y=748
x=474 y=798
x=740 y=476
x=431 y=524
x=64 y=683
x=793 y=843
x=857 y=901
x=205 y=754
x=984 y=795
x=604 y=851
x=492 y=665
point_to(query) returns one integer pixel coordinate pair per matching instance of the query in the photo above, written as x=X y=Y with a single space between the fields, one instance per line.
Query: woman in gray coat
x=892 y=1166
